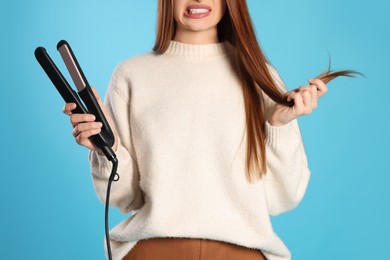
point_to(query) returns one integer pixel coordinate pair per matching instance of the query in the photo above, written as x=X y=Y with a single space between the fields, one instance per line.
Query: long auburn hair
x=251 y=67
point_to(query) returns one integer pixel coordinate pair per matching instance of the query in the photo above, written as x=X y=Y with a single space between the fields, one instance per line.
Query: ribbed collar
x=199 y=50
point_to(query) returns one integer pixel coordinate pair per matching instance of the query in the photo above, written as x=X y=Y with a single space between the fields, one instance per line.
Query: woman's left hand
x=305 y=100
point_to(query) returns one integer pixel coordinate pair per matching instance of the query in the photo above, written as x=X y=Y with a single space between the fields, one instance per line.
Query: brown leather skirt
x=168 y=248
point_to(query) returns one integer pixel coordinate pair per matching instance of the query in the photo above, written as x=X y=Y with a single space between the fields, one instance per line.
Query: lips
x=197 y=11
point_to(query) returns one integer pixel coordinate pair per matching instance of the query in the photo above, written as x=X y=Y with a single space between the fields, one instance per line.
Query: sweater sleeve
x=125 y=193
x=287 y=167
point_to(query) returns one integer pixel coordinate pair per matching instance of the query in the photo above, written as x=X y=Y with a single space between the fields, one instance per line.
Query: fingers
x=321 y=86
x=305 y=99
x=80 y=118
x=83 y=131
x=298 y=107
x=85 y=127
x=83 y=124
x=310 y=95
x=68 y=107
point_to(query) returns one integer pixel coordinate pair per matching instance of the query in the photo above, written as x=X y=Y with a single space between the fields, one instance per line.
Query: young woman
x=207 y=139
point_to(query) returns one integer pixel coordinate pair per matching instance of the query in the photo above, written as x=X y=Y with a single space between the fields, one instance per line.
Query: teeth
x=197 y=11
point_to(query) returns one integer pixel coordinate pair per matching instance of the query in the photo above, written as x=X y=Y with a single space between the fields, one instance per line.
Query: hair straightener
x=105 y=139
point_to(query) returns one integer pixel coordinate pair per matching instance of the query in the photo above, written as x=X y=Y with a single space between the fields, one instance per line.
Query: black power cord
x=114 y=176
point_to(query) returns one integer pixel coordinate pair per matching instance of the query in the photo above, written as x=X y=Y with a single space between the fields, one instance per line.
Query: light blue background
x=48 y=206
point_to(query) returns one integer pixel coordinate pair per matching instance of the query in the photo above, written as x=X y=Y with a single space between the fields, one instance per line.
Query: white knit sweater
x=180 y=118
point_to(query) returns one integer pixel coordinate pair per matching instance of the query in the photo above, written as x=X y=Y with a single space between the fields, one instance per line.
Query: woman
x=207 y=139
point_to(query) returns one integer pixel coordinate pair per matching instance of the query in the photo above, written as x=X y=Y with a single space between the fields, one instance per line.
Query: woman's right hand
x=84 y=125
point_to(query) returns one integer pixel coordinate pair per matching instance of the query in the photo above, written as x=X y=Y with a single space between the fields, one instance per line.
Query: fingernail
x=311 y=80
x=91 y=117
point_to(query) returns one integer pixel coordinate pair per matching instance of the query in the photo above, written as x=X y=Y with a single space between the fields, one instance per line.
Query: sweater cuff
x=100 y=164
x=276 y=135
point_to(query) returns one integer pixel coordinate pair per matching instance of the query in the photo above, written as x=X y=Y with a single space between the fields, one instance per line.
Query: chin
x=200 y=27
